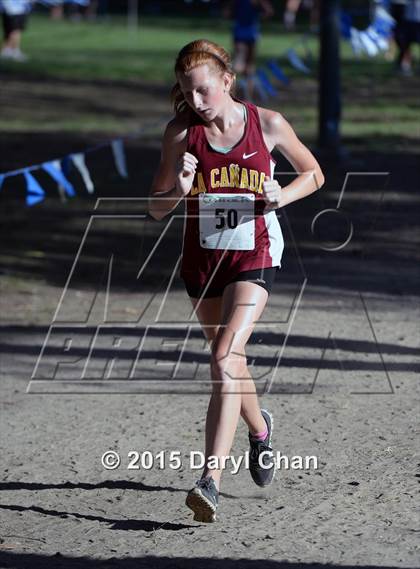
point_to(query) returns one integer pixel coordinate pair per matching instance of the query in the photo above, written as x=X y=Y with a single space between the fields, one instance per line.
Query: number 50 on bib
x=227 y=221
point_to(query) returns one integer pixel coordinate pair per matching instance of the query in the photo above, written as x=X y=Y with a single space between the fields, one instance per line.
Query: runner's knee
x=227 y=366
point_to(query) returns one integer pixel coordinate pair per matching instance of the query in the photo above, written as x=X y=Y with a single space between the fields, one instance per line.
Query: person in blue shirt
x=246 y=16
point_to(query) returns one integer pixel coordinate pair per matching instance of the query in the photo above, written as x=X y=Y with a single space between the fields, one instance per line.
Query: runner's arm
x=165 y=193
x=282 y=136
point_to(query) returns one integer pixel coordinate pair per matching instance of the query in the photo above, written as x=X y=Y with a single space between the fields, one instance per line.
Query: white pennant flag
x=64 y=186
x=356 y=44
x=119 y=157
x=61 y=190
x=381 y=13
x=80 y=163
x=381 y=42
x=370 y=46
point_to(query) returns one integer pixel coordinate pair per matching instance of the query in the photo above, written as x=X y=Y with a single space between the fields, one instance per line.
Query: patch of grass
x=99 y=77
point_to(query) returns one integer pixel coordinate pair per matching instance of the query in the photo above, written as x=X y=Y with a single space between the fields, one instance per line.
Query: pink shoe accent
x=260 y=436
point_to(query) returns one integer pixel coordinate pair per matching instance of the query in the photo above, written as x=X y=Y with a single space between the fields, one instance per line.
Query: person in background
x=91 y=11
x=410 y=34
x=57 y=11
x=15 y=13
x=246 y=32
x=396 y=10
x=76 y=10
x=292 y=8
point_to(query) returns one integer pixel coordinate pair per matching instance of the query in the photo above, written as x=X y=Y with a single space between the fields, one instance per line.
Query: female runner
x=216 y=155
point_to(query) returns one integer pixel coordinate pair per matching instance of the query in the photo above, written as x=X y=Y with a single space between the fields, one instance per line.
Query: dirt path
x=341 y=327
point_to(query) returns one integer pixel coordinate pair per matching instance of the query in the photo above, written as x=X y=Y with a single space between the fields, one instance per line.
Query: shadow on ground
x=57 y=561
x=383 y=210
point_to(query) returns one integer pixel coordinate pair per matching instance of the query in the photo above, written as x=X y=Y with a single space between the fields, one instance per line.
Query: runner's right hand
x=185 y=172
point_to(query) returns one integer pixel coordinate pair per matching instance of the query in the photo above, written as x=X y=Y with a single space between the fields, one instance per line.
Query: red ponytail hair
x=192 y=55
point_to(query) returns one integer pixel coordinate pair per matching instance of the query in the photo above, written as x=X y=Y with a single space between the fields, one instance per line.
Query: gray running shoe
x=203 y=500
x=262 y=476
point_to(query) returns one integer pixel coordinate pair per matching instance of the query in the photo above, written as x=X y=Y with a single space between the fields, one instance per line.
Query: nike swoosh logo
x=245 y=156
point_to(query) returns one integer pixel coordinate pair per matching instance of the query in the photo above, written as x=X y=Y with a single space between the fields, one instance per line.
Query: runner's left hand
x=272 y=193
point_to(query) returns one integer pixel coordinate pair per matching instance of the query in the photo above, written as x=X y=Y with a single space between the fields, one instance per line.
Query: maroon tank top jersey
x=226 y=228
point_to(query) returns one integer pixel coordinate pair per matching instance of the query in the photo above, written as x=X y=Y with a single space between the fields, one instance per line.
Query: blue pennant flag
x=345 y=25
x=119 y=157
x=243 y=87
x=265 y=82
x=66 y=164
x=382 y=27
x=277 y=72
x=54 y=170
x=262 y=93
x=34 y=193
x=296 y=62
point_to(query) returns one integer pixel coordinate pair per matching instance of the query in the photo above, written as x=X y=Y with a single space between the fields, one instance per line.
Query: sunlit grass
x=88 y=55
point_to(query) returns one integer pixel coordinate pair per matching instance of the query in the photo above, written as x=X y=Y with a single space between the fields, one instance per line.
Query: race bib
x=227 y=221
